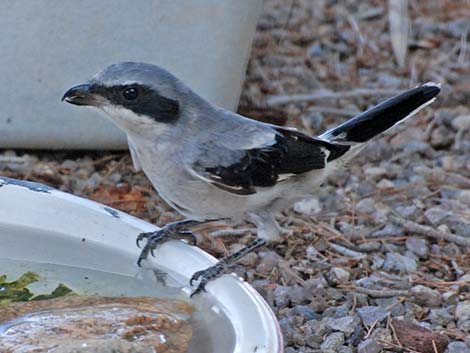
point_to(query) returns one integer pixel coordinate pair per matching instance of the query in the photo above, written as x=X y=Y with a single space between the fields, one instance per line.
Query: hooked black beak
x=80 y=95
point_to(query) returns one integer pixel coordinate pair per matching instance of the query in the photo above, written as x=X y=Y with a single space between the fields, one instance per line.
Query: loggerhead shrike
x=209 y=163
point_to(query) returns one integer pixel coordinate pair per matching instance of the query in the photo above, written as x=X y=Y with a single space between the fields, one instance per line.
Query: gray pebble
x=462 y=311
x=450 y=297
x=457 y=347
x=371 y=314
x=339 y=275
x=305 y=312
x=344 y=349
x=366 y=205
x=287 y=328
x=299 y=295
x=369 y=346
x=358 y=299
x=407 y=211
x=418 y=246
x=281 y=296
x=332 y=342
x=426 y=296
x=397 y=262
x=436 y=215
x=290 y=350
x=375 y=173
x=396 y=308
x=440 y=316
x=346 y=324
x=464 y=325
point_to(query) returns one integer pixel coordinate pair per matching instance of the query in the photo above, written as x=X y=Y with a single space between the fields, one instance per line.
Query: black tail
x=383 y=116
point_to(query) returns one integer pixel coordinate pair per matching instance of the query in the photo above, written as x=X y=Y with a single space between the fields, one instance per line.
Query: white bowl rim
x=20 y=201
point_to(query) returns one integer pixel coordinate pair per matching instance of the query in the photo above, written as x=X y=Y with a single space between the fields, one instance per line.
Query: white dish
x=62 y=229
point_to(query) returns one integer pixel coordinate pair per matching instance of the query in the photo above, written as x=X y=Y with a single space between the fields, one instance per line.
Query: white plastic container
x=44 y=225
x=47 y=46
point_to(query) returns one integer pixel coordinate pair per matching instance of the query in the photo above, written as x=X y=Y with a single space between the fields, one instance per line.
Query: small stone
x=317 y=50
x=436 y=215
x=369 y=346
x=313 y=341
x=336 y=311
x=396 y=308
x=357 y=299
x=344 y=349
x=441 y=137
x=426 y=296
x=462 y=312
x=281 y=296
x=464 y=325
x=339 y=275
x=450 y=297
x=461 y=122
x=377 y=261
x=371 y=314
x=287 y=328
x=305 y=312
x=366 y=205
x=370 y=246
x=299 y=295
x=440 y=317
x=385 y=184
x=388 y=231
x=435 y=248
x=298 y=339
x=308 y=206
x=375 y=172
x=346 y=324
x=407 y=211
x=458 y=347
x=312 y=252
x=290 y=350
x=381 y=334
x=418 y=246
x=465 y=278
x=463 y=196
x=413 y=147
x=332 y=342
x=397 y=262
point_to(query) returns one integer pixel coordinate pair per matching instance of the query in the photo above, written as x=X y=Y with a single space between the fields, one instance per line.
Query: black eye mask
x=142 y=100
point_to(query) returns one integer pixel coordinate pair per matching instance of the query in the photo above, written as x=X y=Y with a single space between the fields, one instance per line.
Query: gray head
x=133 y=93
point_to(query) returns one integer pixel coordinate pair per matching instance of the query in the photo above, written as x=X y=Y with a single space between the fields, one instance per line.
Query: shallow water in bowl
x=212 y=331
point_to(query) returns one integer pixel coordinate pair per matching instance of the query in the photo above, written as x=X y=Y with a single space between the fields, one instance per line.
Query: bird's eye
x=130 y=93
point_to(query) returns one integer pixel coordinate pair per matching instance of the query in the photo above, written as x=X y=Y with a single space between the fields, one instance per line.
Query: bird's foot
x=174 y=230
x=222 y=267
x=208 y=275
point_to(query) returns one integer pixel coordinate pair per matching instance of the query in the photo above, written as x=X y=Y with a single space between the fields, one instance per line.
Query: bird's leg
x=174 y=230
x=223 y=265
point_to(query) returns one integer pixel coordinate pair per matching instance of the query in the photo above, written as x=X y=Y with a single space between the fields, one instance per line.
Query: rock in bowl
x=91 y=248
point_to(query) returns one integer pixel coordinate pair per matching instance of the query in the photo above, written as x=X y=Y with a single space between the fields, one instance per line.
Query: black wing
x=292 y=153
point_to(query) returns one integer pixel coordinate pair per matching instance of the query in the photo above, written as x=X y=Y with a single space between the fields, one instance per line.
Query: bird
x=213 y=164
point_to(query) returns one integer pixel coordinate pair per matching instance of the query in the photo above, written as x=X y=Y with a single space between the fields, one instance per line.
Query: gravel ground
x=379 y=260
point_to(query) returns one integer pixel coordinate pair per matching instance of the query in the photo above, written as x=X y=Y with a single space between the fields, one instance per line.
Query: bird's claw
x=141 y=237
x=170 y=231
x=206 y=276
